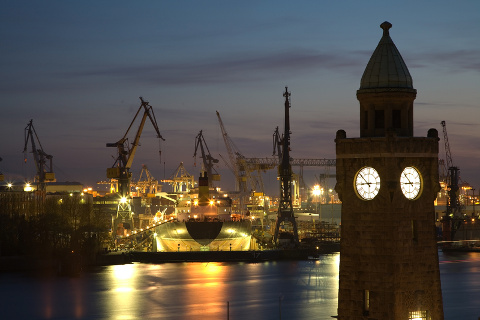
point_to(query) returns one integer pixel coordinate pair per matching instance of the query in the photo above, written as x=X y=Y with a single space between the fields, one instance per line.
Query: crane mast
x=453 y=204
x=208 y=160
x=234 y=156
x=121 y=167
x=231 y=150
x=43 y=161
x=285 y=207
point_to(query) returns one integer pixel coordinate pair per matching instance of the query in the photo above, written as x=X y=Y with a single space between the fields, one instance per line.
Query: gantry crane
x=146 y=188
x=282 y=147
x=181 y=181
x=43 y=161
x=146 y=183
x=121 y=167
x=208 y=161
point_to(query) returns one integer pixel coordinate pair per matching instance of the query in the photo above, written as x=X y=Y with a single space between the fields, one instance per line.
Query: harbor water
x=266 y=290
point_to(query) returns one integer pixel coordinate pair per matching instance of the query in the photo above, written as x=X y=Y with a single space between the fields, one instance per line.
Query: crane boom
x=453 y=204
x=208 y=160
x=448 y=154
x=125 y=153
x=230 y=148
x=43 y=167
x=121 y=167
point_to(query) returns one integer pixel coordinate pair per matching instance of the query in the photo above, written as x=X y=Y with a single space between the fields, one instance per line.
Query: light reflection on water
x=268 y=290
x=122 y=298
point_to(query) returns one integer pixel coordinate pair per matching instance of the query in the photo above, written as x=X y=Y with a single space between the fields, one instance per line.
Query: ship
x=204 y=222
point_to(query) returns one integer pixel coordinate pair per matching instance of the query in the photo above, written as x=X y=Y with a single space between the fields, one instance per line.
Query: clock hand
x=365 y=180
x=409 y=182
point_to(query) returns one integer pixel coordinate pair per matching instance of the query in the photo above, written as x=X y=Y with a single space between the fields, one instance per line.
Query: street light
x=317 y=191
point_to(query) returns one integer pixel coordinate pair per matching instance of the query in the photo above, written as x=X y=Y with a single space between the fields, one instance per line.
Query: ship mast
x=285 y=207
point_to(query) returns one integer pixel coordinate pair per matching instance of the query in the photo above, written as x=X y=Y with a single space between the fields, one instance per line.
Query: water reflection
x=268 y=290
x=205 y=292
x=122 y=301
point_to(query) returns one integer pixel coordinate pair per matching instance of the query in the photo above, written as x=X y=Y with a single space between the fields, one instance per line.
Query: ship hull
x=203 y=236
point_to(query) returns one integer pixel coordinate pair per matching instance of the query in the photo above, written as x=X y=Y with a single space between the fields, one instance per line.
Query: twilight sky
x=78 y=69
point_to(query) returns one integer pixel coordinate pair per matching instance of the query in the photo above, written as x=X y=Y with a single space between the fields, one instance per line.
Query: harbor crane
x=208 y=161
x=453 y=204
x=121 y=167
x=244 y=177
x=452 y=219
x=282 y=147
x=43 y=161
x=181 y=181
x=146 y=187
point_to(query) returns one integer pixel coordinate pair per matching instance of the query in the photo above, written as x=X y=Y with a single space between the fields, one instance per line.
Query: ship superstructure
x=204 y=222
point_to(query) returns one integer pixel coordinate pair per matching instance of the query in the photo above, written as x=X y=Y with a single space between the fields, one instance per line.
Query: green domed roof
x=386 y=68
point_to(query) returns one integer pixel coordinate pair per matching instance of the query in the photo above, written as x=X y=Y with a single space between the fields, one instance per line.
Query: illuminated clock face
x=367 y=183
x=411 y=183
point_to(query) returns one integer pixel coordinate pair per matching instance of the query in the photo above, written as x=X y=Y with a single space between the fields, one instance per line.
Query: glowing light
x=316 y=190
x=28 y=187
x=123 y=271
x=123 y=200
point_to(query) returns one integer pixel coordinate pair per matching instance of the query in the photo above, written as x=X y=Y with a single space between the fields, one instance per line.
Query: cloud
x=455 y=60
x=235 y=68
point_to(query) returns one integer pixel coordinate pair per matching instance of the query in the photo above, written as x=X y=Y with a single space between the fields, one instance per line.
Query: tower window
x=397 y=119
x=379 y=119
x=418 y=315
x=366 y=302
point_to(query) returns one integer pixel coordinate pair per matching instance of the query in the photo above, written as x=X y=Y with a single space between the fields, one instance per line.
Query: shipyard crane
x=232 y=151
x=246 y=178
x=453 y=204
x=452 y=219
x=285 y=207
x=43 y=161
x=146 y=187
x=181 y=181
x=121 y=167
x=146 y=183
x=208 y=160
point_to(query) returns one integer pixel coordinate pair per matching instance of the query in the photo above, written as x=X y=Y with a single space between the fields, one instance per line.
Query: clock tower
x=387 y=180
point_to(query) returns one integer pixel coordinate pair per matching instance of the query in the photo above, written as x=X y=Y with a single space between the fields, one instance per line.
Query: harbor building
x=387 y=180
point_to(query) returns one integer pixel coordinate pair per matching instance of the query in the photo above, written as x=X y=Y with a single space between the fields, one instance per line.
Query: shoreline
x=73 y=264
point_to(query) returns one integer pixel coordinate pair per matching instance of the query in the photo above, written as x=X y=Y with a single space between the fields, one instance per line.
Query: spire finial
x=386 y=26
